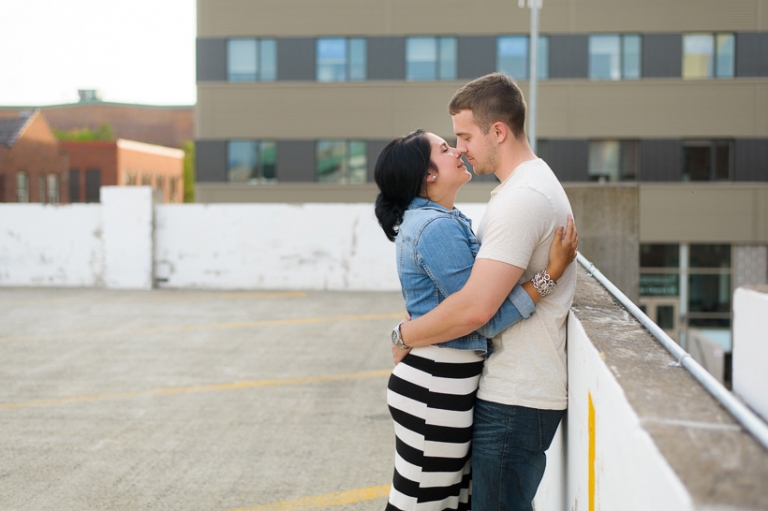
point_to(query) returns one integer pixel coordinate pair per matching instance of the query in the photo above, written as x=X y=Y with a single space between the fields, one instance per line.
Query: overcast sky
x=131 y=51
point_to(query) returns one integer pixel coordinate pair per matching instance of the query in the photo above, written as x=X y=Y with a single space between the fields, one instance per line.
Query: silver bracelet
x=543 y=283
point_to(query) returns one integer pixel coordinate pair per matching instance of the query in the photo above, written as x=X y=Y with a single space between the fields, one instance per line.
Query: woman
x=431 y=393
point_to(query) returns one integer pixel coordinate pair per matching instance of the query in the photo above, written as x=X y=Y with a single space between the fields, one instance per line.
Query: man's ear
x=500 y=131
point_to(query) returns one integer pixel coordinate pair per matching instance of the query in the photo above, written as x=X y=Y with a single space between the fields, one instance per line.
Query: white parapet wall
x=128 y=237
x=49 y=245
x=750 y=347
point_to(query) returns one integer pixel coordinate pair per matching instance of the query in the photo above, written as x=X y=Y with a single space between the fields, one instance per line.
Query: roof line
x=106 y=103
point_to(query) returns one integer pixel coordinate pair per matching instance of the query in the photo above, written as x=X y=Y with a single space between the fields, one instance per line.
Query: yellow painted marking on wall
x=196 y=388
x=202 y=327
x=323 y=501
x=591 y=454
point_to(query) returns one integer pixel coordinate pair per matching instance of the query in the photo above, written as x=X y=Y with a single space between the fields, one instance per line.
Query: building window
x=340 y=59
x=341 y=161
x=251 y=60
x=2 y=188
x=41 y=189
x=22 y=187
x=430 y=58
x=146 y=180
x=614 y=57
x=74 y=185
x=251 y=161
x=92 y=185
x=707 y=160
x=613 y=160
x=708 y=55
x=173 y=189
x=53 y=189
x=512 y=57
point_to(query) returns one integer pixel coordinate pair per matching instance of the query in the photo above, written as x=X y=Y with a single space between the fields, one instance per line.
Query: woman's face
x=450 y=170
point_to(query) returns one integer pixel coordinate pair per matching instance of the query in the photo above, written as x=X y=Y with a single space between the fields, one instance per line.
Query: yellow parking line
x=196 y=388
x=201 y=327
x=163 y=296
x=322 y=501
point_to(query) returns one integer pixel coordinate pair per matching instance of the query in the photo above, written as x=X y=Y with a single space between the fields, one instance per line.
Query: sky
x=131 y=51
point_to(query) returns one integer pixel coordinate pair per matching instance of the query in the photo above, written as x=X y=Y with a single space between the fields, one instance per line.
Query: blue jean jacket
x=436 y=249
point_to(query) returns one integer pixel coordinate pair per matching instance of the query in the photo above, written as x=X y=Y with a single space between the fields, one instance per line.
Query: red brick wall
x=153 y=165
x=37 y=153
x=93 y=155
x=167 y=126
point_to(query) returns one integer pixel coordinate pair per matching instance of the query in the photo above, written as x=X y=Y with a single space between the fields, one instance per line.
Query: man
x=523 y=388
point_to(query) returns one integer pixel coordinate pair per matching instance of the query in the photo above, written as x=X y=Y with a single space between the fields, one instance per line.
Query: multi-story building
x=668 y=100
x=32 y=166
x=123 y=163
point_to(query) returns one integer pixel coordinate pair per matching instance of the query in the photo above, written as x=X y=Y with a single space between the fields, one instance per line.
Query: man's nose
x=461 y=149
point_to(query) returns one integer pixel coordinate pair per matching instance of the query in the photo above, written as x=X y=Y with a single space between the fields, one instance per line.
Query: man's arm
x=468 y=309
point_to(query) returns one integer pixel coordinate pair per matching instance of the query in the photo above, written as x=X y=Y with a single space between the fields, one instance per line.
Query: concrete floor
x=194 y=400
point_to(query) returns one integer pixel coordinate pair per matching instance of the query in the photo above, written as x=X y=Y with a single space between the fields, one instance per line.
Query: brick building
x=123 y=163
x=32 y=166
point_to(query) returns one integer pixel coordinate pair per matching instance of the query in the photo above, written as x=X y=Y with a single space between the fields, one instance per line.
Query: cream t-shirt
x=528 y=366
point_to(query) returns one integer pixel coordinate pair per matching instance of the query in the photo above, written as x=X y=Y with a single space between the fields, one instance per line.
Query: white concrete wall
x=750 y=348
x=128 y=241
x=46 y=245
x=626 y=462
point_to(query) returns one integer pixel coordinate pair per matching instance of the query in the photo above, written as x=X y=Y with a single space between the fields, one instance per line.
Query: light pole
x=533 y=77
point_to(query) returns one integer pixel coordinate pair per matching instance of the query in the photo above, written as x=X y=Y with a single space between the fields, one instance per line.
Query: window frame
x=621 y=71
x=260 y=73
x=715 y=58
x=354 y=60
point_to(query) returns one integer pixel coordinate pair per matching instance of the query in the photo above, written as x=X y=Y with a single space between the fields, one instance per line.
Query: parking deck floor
x=194 y=400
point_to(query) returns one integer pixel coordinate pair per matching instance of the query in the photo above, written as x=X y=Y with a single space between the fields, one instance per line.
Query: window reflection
x=430 y=58
x=512 y=57
x=341 y=161
x=250 y=161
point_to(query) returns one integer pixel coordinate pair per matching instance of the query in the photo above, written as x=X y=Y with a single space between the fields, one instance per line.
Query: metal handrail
x=740 y=412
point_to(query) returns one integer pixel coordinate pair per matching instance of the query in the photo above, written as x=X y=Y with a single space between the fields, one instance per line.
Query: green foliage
x=85 y=134
x=189 y=171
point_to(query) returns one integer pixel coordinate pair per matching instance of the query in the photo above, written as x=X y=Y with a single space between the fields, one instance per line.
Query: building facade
x=123 y=163
x=662 y=104
x=32 y=166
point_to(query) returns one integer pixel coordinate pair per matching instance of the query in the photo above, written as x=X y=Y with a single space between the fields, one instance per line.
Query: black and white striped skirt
x=431 y=396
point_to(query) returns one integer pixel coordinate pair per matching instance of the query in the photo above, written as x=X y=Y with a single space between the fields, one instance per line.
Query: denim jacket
x=436 y=249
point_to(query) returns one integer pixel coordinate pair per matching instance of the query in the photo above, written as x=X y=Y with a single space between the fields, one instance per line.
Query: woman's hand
x=563 y=249
x=398 y=354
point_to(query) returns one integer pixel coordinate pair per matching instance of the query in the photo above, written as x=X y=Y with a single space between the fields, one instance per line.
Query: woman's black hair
x=400 y=172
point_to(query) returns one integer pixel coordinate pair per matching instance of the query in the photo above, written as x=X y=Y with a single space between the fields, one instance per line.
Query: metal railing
x=740 y=412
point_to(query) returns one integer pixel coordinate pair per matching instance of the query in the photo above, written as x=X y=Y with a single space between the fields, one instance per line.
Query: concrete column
x=128 y=236
x=750 y=351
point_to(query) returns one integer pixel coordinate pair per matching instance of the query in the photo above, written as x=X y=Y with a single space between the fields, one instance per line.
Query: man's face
x=479 y=148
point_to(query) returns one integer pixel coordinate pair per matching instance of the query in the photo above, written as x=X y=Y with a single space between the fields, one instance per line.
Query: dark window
x=710 y=256
x=2 y=188
x=74 y=185
x=93 y=185
x=707 y=160
x=709 y=293
x=656 y=255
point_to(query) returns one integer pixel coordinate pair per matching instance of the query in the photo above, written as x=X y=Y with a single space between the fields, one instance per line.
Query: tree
x=104 y=132
x=189 y=171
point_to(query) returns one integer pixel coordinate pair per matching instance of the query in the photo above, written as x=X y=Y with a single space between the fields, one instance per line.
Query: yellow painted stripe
x=196 y=388
x=591 y=454
x=323 y=501
x=203 y=327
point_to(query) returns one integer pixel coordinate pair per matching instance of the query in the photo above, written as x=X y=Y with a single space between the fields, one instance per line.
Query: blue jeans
x=508 y=460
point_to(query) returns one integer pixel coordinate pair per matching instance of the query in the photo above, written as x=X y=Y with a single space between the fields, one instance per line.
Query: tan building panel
x=296 y=18
x=703 y=213
x=567 y=108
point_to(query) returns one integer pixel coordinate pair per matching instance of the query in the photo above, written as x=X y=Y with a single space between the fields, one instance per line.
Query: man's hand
x=398 y=354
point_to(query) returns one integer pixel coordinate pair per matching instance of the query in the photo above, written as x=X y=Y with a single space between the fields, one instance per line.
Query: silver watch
x=397 y=338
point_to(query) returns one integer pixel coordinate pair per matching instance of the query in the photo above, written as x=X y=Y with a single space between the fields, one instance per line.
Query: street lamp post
x=534 y=5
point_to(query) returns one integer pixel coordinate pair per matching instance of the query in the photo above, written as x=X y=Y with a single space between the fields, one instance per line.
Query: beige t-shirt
x=528 y=366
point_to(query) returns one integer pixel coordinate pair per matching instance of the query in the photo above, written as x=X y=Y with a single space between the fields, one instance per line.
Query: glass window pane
x=710 y=256
x=268 y=160
x=709 y=293
x=709 y=322
x=358 y=169
x=697 y=162
x=447 y=67
x=357 y=59
x=698 y=55
x=331 y=60
x=330 y=161
x=665 y=316
x=604 y=160
x=659 y=284
x=726 y=49
x=268 y=60
x=658 y=255
x=242 y=160
x=53 y=189
x=74 y=185
x=604 y=51
x=630 y=58
x=242 y=60
x=722 y=161
x=512 y=56
x=421 y=58
x=542 y=58
x=630 y=157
